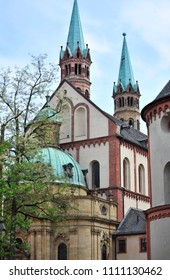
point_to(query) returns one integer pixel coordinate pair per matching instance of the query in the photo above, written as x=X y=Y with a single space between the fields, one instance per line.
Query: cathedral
x=109 y=162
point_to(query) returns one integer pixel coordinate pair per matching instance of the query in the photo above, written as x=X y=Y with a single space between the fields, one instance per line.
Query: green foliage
x=26 y=194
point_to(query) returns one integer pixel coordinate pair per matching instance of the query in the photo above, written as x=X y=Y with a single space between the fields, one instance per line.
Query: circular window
x=165 y=124
x=103 y=210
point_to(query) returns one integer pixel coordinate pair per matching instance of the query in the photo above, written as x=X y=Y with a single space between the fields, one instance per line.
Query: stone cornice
x=158 y=212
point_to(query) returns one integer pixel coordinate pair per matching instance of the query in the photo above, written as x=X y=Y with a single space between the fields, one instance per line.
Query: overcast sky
x=41 y=26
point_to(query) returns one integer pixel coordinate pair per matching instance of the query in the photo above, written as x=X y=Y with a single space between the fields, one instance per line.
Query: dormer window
x=68 y=169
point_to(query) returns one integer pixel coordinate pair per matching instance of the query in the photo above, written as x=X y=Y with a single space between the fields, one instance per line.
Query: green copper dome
x=64 y=165
x=47 y=114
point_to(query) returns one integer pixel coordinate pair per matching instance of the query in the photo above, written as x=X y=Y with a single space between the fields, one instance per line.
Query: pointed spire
x=75 y=34
x=125 y=71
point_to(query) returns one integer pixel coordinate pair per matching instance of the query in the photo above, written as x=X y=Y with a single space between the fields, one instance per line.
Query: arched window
x=62 y=251
x=76 y=69
x=141 y=176
x=79 y=69
x=65 y=131
x=87 y=95
x=81 y=122
x=131 y=122
x=104 y=252
x=138 y=125
x=95 y=175
x=126 y=173
x=167 y=183
x=130 y=101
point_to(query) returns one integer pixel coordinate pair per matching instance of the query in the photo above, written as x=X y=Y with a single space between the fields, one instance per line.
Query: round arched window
x=62 y=251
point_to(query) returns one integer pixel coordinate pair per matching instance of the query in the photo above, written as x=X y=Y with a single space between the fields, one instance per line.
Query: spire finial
x=124 y=34
x=47 y=101
x=75 y=33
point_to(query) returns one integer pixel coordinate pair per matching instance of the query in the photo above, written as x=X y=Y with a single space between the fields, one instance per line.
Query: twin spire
x=75 y=60
x=125 y=76
x=75 y=64
x=75 y=37
x=125 y=70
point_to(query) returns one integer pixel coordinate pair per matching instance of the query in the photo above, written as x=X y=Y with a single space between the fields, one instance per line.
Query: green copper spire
x=75 y=35
x=125 y=71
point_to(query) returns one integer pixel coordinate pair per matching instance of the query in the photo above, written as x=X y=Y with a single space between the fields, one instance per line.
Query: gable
x=78 y=105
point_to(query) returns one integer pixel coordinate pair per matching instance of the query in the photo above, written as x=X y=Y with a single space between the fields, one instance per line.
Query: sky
x=41 y=26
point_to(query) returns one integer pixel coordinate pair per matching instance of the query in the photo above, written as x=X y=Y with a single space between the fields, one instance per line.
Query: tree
x=25 y=180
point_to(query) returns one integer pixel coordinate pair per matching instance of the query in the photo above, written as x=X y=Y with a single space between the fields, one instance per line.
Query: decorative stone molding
x=158 y=212
x=105 y=238
x=95 y=231
x=85 y=143
x=156 y=110
x=62 y=236
x=136 y=196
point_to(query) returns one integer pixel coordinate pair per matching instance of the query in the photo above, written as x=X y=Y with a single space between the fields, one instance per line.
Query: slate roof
x=129 y=133
x=163 y=95
x=134 y=222
x=164 y=92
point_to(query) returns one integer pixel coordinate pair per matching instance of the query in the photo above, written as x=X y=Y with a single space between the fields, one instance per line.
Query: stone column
x=38 y=244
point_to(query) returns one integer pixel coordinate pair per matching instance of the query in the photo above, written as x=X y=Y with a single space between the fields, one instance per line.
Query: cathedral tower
x=126 y=93
x=75 y=60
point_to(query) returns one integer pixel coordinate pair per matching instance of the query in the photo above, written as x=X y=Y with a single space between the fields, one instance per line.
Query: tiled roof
x=134 y=222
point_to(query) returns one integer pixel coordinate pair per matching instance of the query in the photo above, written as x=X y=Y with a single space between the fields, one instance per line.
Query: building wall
x=99 y=153
x=133 y=197
x=160 y=242
x=127 y=152
x=159 y=157
x=95 y=124
x=90 y=225
x=132 y=248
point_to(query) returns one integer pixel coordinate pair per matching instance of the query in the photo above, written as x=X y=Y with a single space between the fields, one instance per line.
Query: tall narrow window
x=95 y=175
x=87 y=95
x=65 y=131
x=167 y=183
x=104 y=252
x=79 y=69
x=126 y=173
x=141 y=175
x=122 y=246
x=81 y=122
x=138 y=125
x=131 y=122
x=76 y=69
x=142 y=245
x=62 y=252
